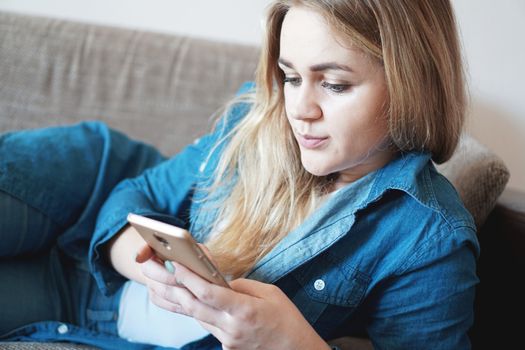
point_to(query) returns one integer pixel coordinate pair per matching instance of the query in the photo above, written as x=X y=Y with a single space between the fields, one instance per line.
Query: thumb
x=144 y=254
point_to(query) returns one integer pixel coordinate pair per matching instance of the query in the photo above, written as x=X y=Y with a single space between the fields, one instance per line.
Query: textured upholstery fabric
x=478 y=175
x=43 y=346
x=158 y=88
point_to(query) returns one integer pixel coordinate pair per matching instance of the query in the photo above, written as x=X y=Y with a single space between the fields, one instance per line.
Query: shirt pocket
x=330 y=281
x=330 y=289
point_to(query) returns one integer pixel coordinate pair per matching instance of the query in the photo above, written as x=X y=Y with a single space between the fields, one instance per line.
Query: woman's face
x=335 y=98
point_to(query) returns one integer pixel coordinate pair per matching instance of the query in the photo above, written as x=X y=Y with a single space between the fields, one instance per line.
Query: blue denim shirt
x=391 y=255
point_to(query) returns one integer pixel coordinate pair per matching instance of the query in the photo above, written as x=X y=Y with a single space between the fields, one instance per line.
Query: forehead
x=306 y=35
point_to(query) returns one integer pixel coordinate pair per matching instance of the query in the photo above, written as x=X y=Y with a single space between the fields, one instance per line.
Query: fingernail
x=169 y=266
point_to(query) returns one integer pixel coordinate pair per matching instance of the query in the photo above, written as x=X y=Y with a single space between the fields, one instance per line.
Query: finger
x=144 y=253
x=216 y=331
x=156 y=271
x=193 y=307
x=216 y=296
x=164 y=303
x=165 y=291
x=176 y=307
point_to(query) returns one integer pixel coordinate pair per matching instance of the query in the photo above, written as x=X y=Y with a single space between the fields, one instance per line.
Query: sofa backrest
x=158 y=88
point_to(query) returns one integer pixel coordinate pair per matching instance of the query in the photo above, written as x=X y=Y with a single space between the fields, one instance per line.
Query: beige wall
x=493 y=39
x=233 y=20
x=492 y=31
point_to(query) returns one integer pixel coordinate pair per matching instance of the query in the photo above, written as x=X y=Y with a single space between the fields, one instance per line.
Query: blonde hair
x=271 y=193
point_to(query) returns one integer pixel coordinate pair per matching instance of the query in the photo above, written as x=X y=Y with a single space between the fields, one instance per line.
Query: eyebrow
x=319 y=67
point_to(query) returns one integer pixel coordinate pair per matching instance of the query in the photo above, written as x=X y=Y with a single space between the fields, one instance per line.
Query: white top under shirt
x=142 y=321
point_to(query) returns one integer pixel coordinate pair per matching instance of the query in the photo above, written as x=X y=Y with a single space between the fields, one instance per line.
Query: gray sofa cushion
x=478 y=175
x=158 y=88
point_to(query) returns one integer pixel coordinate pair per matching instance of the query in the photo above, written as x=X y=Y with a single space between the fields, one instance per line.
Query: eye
x=292 y=81
x=337 y=88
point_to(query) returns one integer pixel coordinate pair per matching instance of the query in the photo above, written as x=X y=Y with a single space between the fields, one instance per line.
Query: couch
x=163 y=89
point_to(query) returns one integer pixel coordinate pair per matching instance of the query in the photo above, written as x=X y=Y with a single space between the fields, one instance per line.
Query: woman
x=315 y=193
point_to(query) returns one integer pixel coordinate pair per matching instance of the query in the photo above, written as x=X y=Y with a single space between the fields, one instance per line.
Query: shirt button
x=319 y=284
x=62 y=329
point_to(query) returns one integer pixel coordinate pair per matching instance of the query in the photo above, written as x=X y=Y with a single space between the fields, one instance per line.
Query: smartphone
x=176 y=244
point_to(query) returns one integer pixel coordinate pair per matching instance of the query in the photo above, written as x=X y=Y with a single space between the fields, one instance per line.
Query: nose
x=304 y=104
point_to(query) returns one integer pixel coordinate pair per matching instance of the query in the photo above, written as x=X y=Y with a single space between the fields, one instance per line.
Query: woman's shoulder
x=412 y=217
x=424 y=188
x=421 y=206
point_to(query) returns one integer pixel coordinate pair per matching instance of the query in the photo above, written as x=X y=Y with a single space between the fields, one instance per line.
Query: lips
x=311 y=142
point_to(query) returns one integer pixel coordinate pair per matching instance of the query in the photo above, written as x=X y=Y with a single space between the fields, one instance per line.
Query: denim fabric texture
x=39 y=269
x=392 y=255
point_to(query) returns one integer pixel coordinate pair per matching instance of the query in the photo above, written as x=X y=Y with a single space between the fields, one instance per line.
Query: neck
x=353 y=174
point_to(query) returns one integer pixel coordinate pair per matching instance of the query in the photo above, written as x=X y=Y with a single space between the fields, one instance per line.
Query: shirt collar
x=409 y=172
x=335 y=217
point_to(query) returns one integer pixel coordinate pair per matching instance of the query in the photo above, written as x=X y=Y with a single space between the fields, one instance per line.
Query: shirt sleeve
x=163 y=192
x=429 y=303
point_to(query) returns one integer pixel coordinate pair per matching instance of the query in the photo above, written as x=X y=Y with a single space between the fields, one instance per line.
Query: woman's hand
x=250 y=315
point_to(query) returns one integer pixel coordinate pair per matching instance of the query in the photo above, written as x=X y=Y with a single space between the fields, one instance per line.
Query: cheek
x=367 y=111
x=288 y=101
x=357 y=127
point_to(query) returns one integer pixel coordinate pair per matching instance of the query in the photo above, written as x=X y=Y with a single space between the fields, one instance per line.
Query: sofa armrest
x=505 y=228
x=509 y=213
x=499 y=302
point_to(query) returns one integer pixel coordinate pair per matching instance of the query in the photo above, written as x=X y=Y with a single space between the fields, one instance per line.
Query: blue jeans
x=40 y=283
x=34 y=286
x=53 y=182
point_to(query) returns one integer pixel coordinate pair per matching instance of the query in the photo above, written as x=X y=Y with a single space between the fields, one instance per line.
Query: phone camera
x=162 y=241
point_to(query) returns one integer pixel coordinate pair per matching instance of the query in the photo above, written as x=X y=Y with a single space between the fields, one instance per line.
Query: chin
x=316 y=170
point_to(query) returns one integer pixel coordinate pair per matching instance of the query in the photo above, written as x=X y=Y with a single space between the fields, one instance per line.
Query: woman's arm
x=122 y=251
x=164 y=189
